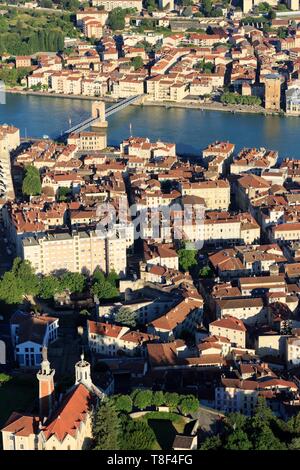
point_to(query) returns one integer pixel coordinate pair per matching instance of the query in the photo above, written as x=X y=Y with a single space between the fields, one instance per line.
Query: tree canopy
x=106 y=426
x=32 y=182
x=104 y=287
x=126 y=317
x=187 y=259
x=18 y=282
x=116 y=19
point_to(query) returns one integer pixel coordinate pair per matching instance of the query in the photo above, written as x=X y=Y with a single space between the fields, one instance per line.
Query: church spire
x=45 y=377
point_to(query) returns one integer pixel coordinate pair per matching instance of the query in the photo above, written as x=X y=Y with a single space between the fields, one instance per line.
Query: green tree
x=123 y=403
x=187 y=259
x=112 y=278
x=74 y=282
x=49 y=286
x=238 y=440
x=11 y=291
x=116 y=19
x=127 y=317
x=104 y=290
x=63 y=194
x=211 y=443
x=206 y=271
x=294 y=424
x=106 y=426
x=25 y=275
x=294 y=444
x=150 y=5
x=32 y=183
x=264 y=439
x=158 y=398
x=172 y=400
x=136 y=435
x=143 y=399
x=236 y=421
x=137 y=62
x=207 y=7
x=189 y=404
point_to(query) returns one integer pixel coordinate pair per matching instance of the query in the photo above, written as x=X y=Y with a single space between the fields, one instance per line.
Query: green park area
x=16 y=394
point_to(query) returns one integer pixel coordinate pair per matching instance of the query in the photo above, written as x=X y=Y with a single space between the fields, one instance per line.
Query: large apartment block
x=81 y=251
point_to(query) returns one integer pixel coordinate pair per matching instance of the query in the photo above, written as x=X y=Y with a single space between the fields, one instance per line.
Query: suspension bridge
x=81 y=126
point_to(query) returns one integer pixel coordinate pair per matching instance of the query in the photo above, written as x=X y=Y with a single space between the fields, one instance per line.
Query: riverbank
x=46 y=94
x=185 y=104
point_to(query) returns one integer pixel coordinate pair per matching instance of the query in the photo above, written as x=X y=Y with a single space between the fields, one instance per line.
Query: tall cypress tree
x=106 y=426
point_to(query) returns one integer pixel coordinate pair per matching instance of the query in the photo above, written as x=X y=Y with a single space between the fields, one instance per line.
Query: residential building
x=230 y=327
x=84 y=250
x=29 y=334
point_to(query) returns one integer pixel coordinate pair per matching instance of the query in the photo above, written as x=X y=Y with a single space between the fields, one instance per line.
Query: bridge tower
x=100 y=126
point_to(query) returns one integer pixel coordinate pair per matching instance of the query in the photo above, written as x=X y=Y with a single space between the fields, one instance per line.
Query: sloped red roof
x=70 y=414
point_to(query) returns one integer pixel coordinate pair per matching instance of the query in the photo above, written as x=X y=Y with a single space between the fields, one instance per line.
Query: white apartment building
x=236 y=395
x=109 y=339
x=293 y=352
x=9 y=140
x=29 y=333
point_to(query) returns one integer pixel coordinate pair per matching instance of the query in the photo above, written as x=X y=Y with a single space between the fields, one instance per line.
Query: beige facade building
x=286 y=231
x=272 y=92
x=162 y=88
x=231 y=328
x=109 y=5
x=88 y=140
x=92 y=28
x=128 y=86
x=77 y=252
x=216 y=194
x=250 y=311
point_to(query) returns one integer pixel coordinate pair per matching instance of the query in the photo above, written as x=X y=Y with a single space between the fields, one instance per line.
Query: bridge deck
x=111 y=110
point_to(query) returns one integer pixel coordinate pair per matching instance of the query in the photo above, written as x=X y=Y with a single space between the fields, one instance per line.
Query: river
x=190 y=129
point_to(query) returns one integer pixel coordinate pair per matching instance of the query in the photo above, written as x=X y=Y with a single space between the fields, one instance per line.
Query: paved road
x=208 y=420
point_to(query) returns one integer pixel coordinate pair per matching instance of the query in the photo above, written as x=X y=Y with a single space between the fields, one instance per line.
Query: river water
x=190 y=129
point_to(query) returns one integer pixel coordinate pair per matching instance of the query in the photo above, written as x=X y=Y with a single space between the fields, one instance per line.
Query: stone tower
x=100 y=126
x=45 y=377
x=272 y=92
x=83 y=373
